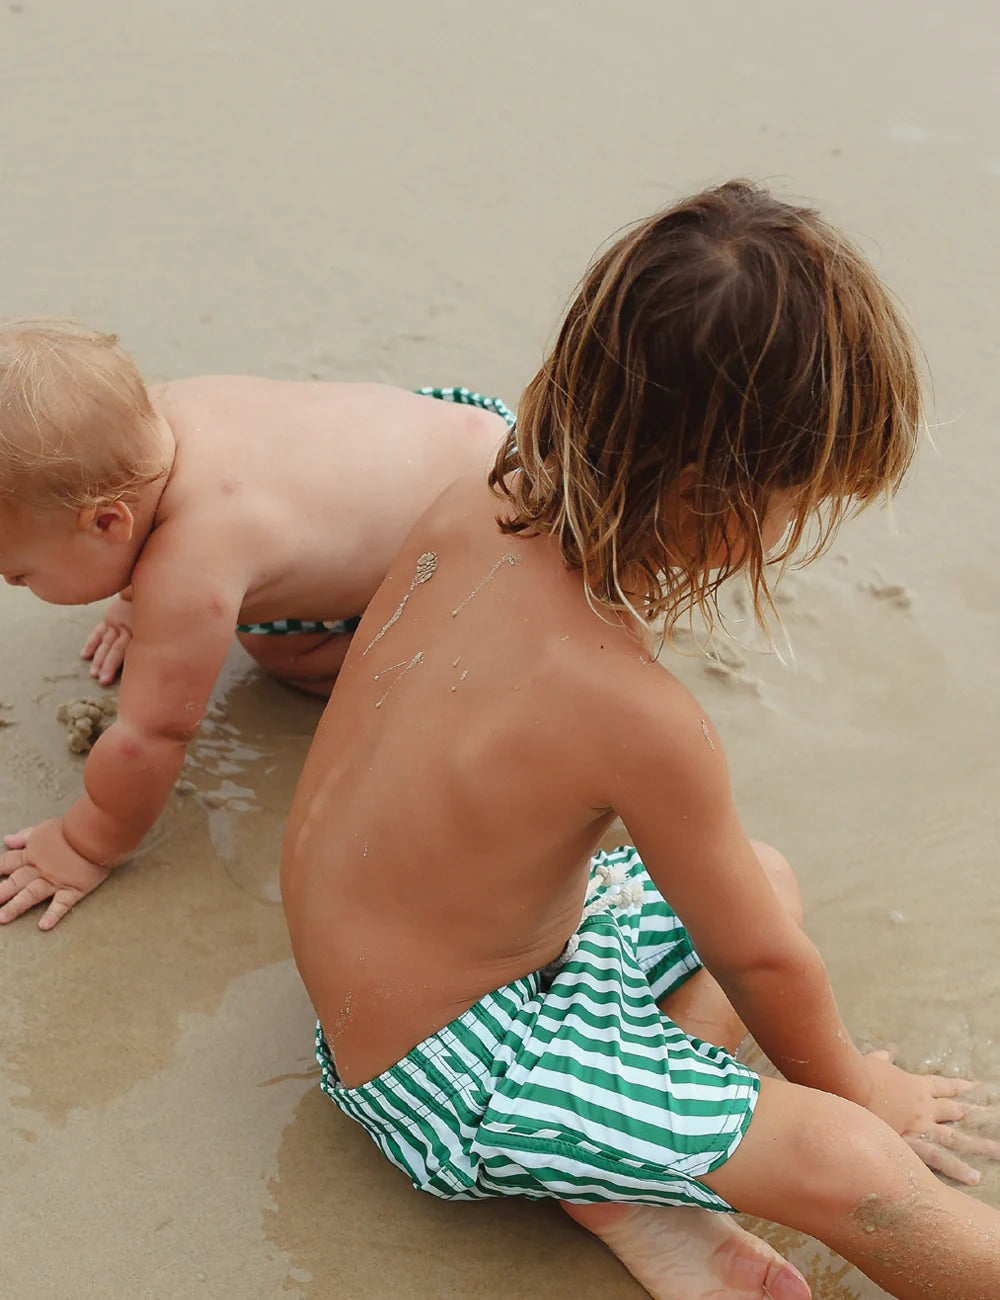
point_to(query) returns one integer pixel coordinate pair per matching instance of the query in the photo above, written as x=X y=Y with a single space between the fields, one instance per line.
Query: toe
x=754 y=1269
x=785 y=1282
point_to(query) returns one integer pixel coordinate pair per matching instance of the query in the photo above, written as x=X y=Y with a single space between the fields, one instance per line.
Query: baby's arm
x=185 y=606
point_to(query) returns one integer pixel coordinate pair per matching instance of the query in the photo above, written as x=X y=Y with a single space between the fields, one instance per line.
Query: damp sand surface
x=408 y=194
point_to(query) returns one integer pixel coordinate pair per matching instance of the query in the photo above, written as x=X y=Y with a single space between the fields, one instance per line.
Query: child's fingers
x=944 y=1162
x=982 y=1119
x=947 y=1111
x=30 y=894
x=93 y=641
x=943 y=1087
x=18 y=839
x=12 y=884
x=968 y=1144
x=100 y=654
x=62 y=901
x=114 y=659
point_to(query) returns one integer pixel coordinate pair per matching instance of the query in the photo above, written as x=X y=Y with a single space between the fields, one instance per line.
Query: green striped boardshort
x=569 y=1082
x=345 y=626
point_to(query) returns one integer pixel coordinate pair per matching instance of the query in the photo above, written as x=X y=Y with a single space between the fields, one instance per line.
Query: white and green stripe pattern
x=568 y=1083
x=285 y=626
x=466 y=397
x=345 y=626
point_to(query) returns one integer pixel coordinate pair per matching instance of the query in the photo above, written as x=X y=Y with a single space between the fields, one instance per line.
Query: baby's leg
x=832 y=1169
x=309 y=661
x=689 y=1254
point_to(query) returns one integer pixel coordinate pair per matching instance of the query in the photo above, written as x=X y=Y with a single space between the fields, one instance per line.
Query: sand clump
x=86 y=721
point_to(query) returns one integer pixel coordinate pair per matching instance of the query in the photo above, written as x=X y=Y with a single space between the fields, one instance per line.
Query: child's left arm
x=185 y=608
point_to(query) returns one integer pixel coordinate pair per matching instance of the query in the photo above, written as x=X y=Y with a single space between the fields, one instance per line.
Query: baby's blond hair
x=76 y=424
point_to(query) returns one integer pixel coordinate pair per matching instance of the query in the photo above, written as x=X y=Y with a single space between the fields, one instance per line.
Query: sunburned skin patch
x=707 y=734
x=508 y=557
x=426 y=568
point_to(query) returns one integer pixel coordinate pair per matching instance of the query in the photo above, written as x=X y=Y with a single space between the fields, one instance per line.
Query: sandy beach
x=409 y=193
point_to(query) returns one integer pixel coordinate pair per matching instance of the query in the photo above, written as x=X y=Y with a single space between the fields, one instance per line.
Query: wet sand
x=409 y=193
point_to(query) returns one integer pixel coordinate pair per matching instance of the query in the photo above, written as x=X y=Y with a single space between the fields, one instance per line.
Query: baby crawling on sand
x=209 y=505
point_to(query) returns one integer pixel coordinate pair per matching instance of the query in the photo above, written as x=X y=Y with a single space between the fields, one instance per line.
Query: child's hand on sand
x=106 y=645
x=924 y=1109
x=41 y=865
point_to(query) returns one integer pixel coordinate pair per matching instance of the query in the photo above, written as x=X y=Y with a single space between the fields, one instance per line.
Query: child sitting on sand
x=210 y=504
x=503 y=1012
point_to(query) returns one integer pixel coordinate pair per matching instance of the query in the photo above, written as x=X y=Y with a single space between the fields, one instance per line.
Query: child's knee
x=781 y=875
x=854 y=1163
x=821 y=1164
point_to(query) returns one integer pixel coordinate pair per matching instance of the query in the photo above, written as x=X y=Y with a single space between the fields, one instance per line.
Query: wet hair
x=76 y=424
x=728 y=347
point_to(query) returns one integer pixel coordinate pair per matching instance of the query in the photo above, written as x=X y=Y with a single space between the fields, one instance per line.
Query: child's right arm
x=673 y=794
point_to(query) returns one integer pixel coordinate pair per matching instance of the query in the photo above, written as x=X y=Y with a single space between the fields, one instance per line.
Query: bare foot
x=688 y=1254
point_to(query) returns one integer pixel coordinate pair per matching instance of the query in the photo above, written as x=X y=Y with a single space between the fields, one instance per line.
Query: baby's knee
x=781 y=875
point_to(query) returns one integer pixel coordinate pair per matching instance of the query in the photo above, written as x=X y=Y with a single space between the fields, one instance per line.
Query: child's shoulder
x=641 y=690
x=628 y=691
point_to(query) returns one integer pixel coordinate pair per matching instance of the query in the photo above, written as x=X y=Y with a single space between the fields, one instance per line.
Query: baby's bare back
x=316 y=484
x=439 y=841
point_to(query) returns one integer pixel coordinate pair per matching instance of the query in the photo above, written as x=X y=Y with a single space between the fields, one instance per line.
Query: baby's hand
x=106 y=645
x=923 y=1108
x=41 y=865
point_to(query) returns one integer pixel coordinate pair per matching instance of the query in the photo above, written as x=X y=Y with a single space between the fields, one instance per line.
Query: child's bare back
x=214 y=506
x=512 y=726
x=495 y=757
x=506 y=1014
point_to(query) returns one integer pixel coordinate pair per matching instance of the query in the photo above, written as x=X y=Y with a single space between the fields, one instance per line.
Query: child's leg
x=309 y=661
x=687 y=1254
x=829 y=1168
x=814 y=1162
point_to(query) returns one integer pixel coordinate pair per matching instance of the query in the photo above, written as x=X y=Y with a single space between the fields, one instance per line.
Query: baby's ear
x=112 y=520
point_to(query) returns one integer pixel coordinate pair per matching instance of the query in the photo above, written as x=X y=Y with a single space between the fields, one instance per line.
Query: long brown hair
x=730 y=346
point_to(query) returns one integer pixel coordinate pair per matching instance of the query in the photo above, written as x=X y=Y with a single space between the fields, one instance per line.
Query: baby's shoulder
x=201 y=395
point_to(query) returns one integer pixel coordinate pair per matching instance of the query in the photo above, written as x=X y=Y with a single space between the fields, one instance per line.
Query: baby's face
x=53 y=555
